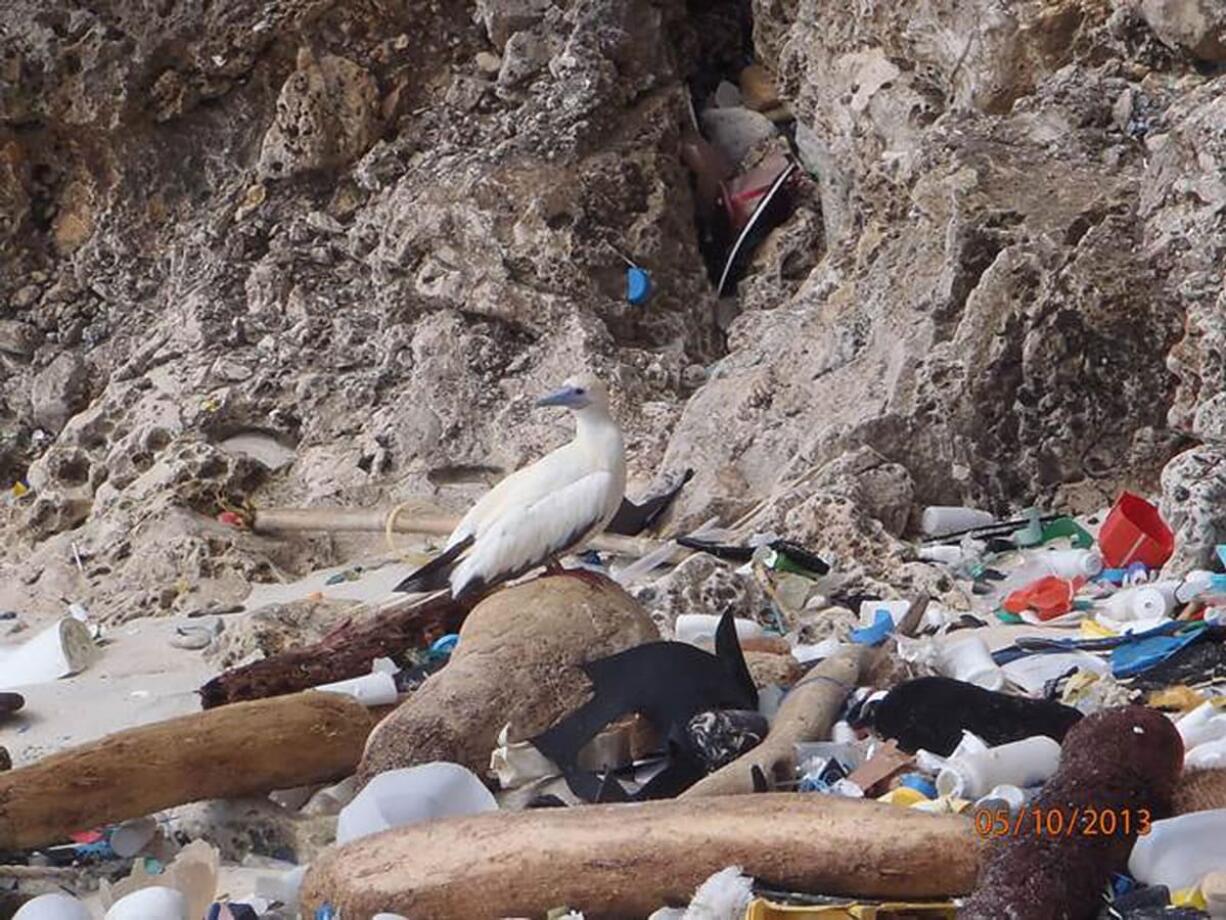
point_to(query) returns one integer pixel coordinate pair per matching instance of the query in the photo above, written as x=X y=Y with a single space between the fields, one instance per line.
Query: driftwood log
x=806 y=714
x=627 y=860
x=346 y=652
x=519 y=663
x=245 y=749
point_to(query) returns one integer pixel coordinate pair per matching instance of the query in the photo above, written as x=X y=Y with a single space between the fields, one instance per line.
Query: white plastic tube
x=699 y=628
x=938 y=520
x=1178 y=852
x=970 y=660
x=1071 y=563
x=53 y=907
x=1019 y=763
x=412 y=794
x=60 y=650
x=154 y=903
x=375 y=689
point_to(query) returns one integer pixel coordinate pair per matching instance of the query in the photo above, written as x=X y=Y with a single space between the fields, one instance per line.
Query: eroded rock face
x=1001 y=282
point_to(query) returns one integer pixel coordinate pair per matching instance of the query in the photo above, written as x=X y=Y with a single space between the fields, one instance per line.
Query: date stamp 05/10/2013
x=1063 y=822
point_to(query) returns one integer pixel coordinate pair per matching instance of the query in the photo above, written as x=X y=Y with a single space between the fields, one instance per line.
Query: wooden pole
x=245 y=749
x=342 y=520
x=805 y=714
x=628 y=860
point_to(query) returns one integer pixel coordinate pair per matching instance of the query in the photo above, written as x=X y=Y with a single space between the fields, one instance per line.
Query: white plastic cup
x=939 y=520
x=154 y=903
x=375 y=689
x=412 y=794
x=1178 y=852
x=131 y=837
x=970 y=660
x=699 y=628
x=1020 y=763
x=53 y=907
x=1073 y=563
x=60 y=650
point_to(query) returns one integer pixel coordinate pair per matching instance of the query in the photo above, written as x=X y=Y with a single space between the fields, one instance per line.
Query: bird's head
x=576 y=393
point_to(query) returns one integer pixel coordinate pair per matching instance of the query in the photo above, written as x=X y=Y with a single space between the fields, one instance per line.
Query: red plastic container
x=1135 y=532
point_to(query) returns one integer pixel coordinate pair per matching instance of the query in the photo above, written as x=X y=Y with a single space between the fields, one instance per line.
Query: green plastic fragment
x=1067 y=527
x=1006 y=617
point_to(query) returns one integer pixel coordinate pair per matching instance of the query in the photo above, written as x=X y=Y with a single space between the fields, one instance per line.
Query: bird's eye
x=579 y=391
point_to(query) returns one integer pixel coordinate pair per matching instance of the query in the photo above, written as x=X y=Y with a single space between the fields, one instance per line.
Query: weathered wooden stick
x=336 y=520
x=245 y=749
x=346 y=652
x=628 y=860
x=805 y=714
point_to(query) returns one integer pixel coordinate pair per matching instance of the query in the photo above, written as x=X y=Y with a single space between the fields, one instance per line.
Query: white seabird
x=540 y=512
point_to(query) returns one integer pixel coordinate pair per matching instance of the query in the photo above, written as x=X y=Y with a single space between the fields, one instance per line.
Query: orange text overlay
x=1063 y=822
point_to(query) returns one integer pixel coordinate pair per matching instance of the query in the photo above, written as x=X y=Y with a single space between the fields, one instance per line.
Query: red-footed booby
x=540 y=512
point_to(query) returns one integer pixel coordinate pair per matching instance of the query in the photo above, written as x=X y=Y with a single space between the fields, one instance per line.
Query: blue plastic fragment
x=325 y=911
x=920 y=783
x=1221 y=552
x=445 y=644
x=638 y=285
x=883 y=625
x=1122 y=884
x=1138 y=656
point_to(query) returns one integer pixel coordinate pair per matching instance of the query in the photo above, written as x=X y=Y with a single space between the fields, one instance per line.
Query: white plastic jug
x=1178 y=852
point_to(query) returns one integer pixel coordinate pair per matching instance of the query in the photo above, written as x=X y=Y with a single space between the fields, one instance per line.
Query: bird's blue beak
x=568 y=397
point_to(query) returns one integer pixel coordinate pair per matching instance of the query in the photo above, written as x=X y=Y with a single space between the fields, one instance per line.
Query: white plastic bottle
x=1020 y=763
x=1178 y=852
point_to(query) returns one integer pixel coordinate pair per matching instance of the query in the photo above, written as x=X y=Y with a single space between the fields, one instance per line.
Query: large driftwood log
x=344 y=653
x=806 y=714
x=518 y=662
x=627 y=860
x=244 y=749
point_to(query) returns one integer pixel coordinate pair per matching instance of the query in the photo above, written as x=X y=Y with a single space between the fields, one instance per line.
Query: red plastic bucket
x=1135 y=532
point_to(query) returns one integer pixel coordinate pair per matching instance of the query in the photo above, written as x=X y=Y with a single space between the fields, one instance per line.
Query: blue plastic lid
x=638 y=285
x=445 y=643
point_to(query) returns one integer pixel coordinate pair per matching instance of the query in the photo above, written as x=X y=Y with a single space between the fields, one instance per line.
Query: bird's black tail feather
x=434 y=575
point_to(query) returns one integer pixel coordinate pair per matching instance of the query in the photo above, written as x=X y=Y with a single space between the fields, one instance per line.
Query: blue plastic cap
x=638 y=285
x=446 y=643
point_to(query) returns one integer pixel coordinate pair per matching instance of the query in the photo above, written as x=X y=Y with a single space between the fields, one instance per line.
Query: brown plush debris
x=1120 y=760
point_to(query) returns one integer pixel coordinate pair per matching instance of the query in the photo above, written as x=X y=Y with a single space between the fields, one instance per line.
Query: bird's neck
x=597 y=432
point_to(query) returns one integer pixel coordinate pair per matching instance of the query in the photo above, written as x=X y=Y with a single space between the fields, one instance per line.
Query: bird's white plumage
x=543 y=510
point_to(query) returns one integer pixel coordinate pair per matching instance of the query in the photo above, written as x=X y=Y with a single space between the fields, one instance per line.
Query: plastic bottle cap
x=638 y=285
